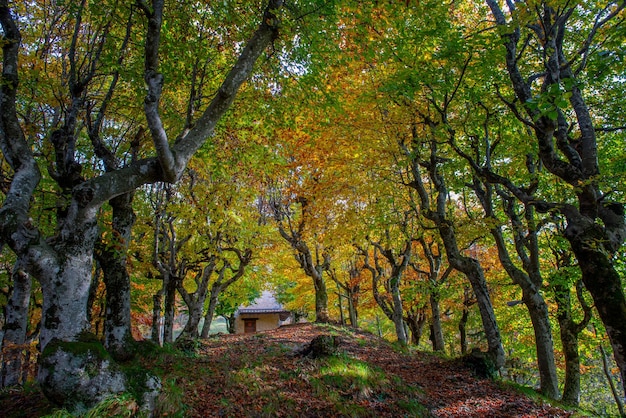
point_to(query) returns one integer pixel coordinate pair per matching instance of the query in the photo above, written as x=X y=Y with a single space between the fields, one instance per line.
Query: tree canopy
x=395 y=166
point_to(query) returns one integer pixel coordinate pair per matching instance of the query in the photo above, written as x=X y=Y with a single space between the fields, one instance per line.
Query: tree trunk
x=463 y=330
x=312 y=267
x=230 y=320
x=398 y=265
x=416 y=322
x=398 y=317
x=169 y=314
x=321 y=298
x=603 y=283
x=352 y=310
x=210 y=312
x=437 y=331
x=467 y=302
x=65 y=286
x=540 y=319
x=195 y=310
x=471 y=268
x=16 y=327
x=595 y=226
x=530 y=281
x=569 y=329
x=117 y=327
x=156 y=318
x=63 y=263
x=609 y=377
x=571 y=384
x=342 y=317
x=195 y=307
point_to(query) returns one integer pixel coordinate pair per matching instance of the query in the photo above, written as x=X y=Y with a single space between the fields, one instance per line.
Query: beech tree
x=349 y=281
x=314 y=260
x=483 y=142
x=547 y=48
x=565 y=276
x=63 y=263
x=387 y=271
x=435 y=279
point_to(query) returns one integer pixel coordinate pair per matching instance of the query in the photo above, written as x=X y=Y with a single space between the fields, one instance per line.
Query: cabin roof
x=266 y=303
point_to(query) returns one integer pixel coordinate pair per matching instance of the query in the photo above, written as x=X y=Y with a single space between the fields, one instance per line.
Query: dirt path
x=446 y=388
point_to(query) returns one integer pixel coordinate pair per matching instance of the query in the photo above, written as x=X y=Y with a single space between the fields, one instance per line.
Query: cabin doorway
x=249 y=325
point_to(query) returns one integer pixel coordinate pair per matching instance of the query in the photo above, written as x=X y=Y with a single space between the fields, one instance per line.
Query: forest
x=449 y=176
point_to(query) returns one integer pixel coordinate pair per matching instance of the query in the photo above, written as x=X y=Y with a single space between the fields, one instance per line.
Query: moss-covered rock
x=77 y=375
x=482 y=364
x=322 y=346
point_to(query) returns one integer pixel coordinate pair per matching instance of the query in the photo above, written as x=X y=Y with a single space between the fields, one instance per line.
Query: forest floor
x=265 y=375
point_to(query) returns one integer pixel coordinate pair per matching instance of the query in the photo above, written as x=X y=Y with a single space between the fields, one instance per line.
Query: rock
x=321 y=346
x=152 y=388
x=78 y=375
x=481 y=363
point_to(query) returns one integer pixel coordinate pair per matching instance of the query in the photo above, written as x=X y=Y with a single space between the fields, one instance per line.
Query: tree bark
x=220 y=285
x=609 y=377
x=394 y=310
x=437 y=213
x=195 y=302
x=463 y=331
x=313 y=265
x=169 y=311
x=351 y=289
x=230 y=321
x=569 y=341
x=210 y=312
x=472 y=269
x=156 y=335
x=397 y=315
x=528 y=278
x=437 y=331
x=603 y=283
x=352 y=307
x=16 y=327
x=117 y=326
x=416 y=321
x=321 y=296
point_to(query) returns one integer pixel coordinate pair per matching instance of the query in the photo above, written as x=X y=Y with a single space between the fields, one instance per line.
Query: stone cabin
x=264 y=314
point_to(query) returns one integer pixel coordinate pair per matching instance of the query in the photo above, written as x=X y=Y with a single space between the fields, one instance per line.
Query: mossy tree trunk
x=118 y=337
x=415 y=319
x=569 y=331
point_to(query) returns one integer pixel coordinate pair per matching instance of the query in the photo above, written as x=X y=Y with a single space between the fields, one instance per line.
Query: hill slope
x=263 y=375
x=266 y=375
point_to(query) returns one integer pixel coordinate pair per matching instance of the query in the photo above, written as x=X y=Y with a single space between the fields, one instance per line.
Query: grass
x=122 y=405
x=536 y=396
x=171 y=401
x=348 y=374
